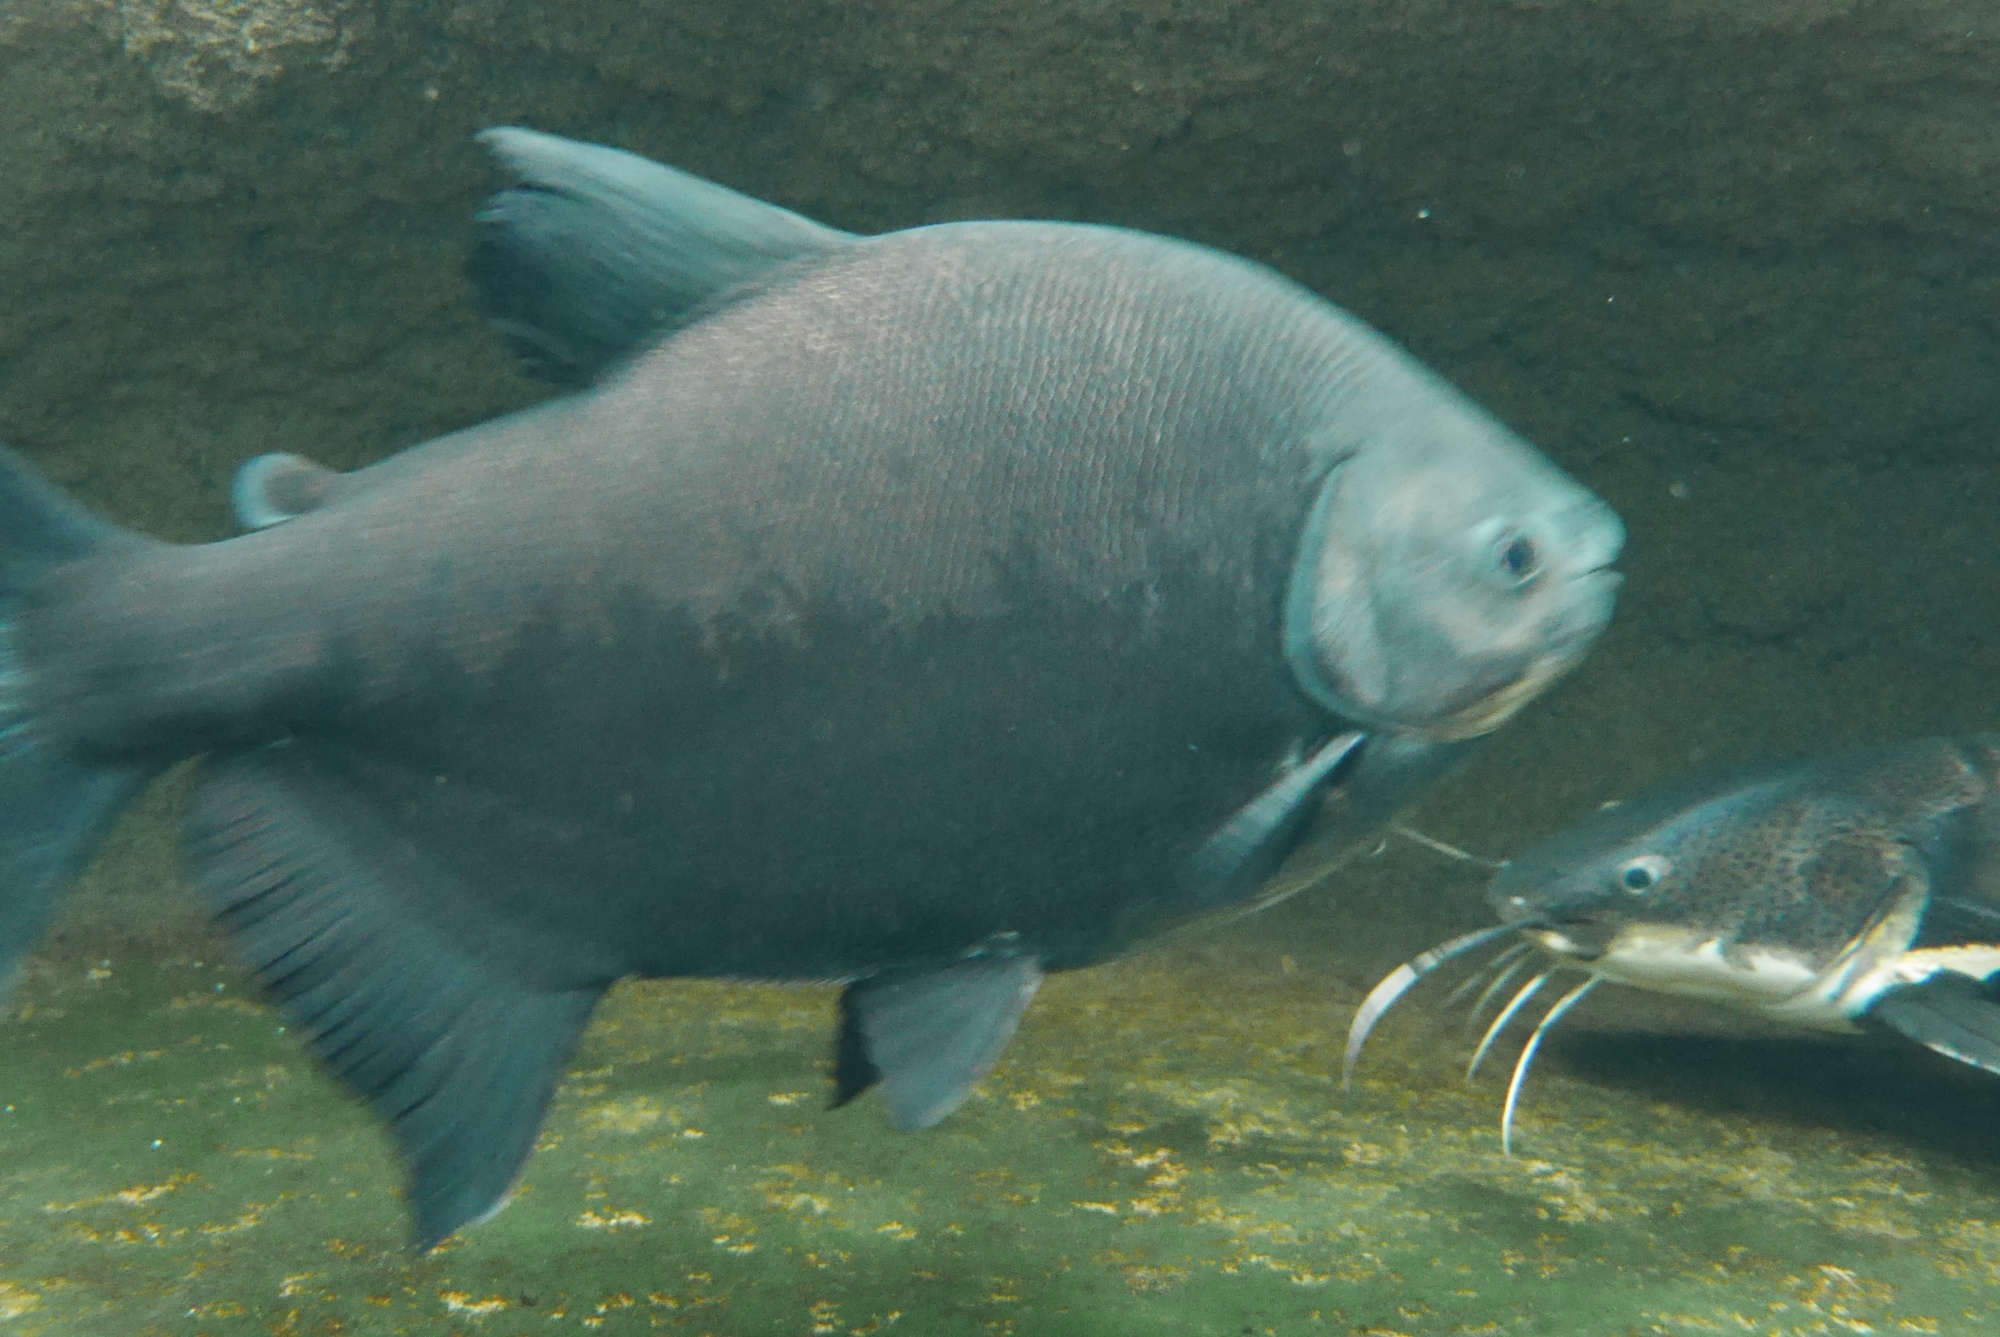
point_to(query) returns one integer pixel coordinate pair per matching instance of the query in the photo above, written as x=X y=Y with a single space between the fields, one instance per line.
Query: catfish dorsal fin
x=315 y=890
x=928 y=1034
x=598 y=251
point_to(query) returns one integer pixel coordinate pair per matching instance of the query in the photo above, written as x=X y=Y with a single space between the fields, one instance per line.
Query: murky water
x=1734 y=270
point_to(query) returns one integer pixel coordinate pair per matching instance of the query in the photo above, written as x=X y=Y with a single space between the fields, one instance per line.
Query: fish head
x=1447 y=575
x=1756 y=892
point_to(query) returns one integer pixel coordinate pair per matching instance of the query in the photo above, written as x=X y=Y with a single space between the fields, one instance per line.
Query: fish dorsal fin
x=1951 y=1013
x=929 y=1034
x=1234 y=862
x=314 y=889
x=272 y=489
x=597 y=251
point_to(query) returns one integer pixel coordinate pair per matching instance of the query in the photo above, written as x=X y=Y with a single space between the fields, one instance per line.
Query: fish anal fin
x=457 y=1057
x=1951 y=1013
x=929 y=1034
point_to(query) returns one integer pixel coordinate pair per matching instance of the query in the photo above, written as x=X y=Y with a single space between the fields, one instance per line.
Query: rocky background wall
x=1735 y=264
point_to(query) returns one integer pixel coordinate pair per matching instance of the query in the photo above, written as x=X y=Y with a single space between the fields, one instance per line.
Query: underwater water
x=1732 y=266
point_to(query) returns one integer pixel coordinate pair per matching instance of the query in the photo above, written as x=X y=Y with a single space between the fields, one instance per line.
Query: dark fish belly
x=669 y=798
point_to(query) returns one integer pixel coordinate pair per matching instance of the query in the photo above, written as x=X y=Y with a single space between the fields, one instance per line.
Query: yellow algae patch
x=624 y=1219
x=221 y=1002
x=133 y=1196
x=461 y=1302
x=249 y=1220
x=147 y=1192
x=733 y=1230
x=635 y=1115
x=793 y=1202
x=271 y=1153
x=16 y=1300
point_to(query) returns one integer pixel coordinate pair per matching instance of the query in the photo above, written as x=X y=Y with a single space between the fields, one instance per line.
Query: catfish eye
x=1516 y=558
x=1642 y=874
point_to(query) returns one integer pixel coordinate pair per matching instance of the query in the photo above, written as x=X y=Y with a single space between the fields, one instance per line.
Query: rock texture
x=1734 y=263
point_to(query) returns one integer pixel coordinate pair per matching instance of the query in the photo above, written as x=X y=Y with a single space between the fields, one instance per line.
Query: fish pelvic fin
x=55 y=803
x=929 y=1034
x=317 y=893
x=597 y=251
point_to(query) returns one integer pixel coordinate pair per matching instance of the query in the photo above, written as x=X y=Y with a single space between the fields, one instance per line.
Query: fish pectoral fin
x=1951 y=1013
x=599 y=251
x=929 y=1034
x=461 y=1061
x=272 y=489
x=1234 y=862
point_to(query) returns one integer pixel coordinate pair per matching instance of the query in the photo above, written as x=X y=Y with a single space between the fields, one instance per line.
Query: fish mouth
x=1595 y=593
x=1494 y=709
x=1560 y=944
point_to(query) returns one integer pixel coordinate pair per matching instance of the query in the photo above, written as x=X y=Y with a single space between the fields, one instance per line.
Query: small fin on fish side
x=1955 y=1015
x=272 y=489
x=54 y=803
x=1235 y=862
x=458 y=1059
x=928 y=1035
x=597 y=251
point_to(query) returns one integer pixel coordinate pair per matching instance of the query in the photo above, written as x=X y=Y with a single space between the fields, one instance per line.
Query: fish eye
x=1517 y=559
x=1642 y=874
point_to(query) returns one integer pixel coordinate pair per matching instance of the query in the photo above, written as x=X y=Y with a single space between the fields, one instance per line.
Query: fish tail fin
x=598 y=251
x=55 y=804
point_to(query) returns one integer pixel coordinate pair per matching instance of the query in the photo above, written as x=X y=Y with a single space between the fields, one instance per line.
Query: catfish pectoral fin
x=1955 y=1015
x=928 y=1034
x=459 y=1060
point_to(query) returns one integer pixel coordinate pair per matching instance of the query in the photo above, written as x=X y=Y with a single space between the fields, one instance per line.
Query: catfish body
x=1858 y=889
x=924 y=611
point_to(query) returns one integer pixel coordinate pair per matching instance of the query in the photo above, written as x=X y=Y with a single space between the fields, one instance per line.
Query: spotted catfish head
x=1862 y=888
x=1793 y=892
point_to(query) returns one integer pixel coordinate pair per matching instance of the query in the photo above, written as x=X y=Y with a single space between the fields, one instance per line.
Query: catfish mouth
x=1562 y=943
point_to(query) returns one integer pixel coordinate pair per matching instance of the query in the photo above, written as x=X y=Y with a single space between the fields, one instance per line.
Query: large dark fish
x=1860 y=890
x=925 y=611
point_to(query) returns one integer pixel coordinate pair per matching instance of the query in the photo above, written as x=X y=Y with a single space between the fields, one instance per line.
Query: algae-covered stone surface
x=1165 y=1149
x=1736 y=265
